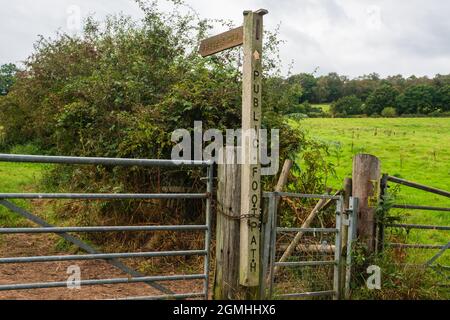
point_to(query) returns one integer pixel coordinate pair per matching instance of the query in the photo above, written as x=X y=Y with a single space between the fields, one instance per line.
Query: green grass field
x=325 y=107
x=416 y=149
x=16 y=177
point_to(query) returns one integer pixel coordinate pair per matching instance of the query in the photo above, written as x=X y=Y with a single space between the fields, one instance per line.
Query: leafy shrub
x=389 y=112
x=381 y=98
x=350 y=105
x=28 y=148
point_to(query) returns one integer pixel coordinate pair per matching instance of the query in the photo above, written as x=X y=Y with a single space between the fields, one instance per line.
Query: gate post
x=226 y=280
x=366 y=187
x=345 y=224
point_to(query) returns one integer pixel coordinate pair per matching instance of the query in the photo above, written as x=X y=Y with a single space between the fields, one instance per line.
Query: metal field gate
x=316 y=262
x=155 y=282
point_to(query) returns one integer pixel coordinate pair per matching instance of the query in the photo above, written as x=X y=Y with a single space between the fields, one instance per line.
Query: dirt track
x=34 y=245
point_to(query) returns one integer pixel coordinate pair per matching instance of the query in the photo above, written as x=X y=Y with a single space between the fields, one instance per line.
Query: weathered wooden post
x=226 y=280
x=250 y=264
x=366 y=187
x=250 y=36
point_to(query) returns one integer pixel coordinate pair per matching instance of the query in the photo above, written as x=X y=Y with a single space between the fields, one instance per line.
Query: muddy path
x=37 y=245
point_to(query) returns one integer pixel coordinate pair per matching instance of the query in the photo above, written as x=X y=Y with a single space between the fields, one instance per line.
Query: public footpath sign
x=251 y=169
x=251 y=37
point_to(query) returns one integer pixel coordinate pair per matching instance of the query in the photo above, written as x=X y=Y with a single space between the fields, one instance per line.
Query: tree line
x=372 y=95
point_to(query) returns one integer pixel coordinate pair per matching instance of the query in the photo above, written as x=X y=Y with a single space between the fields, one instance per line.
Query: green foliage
x=432 y=98
x=443 y=98
x=417 y=99
x=397 y=282
x=308 y=82
x=382 y=97
x=389 y=112
x=350 y=105
x=7 y=77
x=28 y=148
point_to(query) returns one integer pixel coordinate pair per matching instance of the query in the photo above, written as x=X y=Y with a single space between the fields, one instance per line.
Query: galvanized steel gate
x=335 y=252
x=93 y=254
x=432 y=262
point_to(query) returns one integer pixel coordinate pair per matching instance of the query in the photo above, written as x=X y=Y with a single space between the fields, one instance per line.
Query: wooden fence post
x=226 y=280
x=366 y=187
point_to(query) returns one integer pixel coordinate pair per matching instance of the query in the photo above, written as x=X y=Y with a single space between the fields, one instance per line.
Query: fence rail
x=441 y=248
x=135 y=277
x=419 y=226
x=415 y=207
x=418 y=186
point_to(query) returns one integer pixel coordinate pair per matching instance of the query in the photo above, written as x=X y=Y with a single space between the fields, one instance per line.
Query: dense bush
x=347 y=106
x=389 y=112
x=381 y=98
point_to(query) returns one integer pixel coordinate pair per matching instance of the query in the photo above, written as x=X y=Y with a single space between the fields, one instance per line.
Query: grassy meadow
x=16 y=178
x=416 y=149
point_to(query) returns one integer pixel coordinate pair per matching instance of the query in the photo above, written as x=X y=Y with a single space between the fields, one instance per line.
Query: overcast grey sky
x=351 y=37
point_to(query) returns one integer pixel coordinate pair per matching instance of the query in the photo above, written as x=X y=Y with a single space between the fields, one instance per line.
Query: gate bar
x=308 y=230
x=419 y=186
x=180 y=296
x=103 y=229
x=103 y=256
x=440 y=253
x=100 y=161
x=81 y=244
x=414 y=207
x=414 y=246
x=208 y=231
x=338 y=248
x=351 y=237
x=99 y=196
x=308 y=294
x=305 y=263
x=299 y=195
x=418 y=226
x=61 y=284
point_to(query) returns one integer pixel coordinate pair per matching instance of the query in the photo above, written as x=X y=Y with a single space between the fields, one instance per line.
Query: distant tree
x=308 y=82
x=321 y=91
x=362 y=86
x=284 y=96
x=417 y=99
x=7 y=77
x=397 y=81
x=443 y=98
x=441 y=80
x=389 y=112
x=347 y=106
x=335 y=86
x=382 y=97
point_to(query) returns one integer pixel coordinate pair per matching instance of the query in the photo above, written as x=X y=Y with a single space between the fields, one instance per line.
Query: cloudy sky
x=351 y=37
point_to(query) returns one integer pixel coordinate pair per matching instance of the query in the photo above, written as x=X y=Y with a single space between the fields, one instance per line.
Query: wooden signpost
x=250 y=36
x=251 y=169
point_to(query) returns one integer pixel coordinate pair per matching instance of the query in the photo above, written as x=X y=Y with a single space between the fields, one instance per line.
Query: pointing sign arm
x=221 y=42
